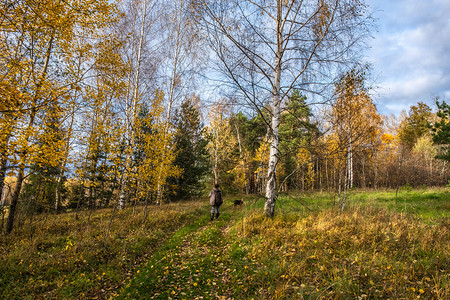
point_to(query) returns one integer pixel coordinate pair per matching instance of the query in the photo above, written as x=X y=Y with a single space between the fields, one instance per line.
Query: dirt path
x=200 y=264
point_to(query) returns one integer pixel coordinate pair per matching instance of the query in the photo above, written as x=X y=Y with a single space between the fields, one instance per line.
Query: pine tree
x=441 y=130
x=192 y=156
x=296 y=132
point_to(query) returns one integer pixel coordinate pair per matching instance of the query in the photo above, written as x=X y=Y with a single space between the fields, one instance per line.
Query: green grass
x=205 y=262
x=428 y=204
x=60 y=257
x=309 y=250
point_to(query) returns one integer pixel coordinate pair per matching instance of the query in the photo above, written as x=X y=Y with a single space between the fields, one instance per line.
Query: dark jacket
x=215 y=197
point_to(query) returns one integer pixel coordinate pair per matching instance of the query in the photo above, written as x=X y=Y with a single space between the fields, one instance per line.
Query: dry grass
x=309 y=250
x=57 y=256
x=364 y=252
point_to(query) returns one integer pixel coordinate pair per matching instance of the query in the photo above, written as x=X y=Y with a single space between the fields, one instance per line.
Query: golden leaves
x=36 y=36
x=321 y=19
x=156 y=144
x=354 y=114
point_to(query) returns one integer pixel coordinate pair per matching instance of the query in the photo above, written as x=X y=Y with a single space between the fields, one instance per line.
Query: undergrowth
x=57 y=256
x=363 y=252
x=309 y=250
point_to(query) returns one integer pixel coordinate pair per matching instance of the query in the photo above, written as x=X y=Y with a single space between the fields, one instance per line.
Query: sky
x=410 y=53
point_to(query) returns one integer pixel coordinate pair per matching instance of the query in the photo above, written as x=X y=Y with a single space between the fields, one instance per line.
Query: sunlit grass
x=363 y=252
x=309 y=250
x=58 y=256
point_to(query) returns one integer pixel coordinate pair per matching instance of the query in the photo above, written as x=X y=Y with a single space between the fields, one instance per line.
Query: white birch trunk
x=131 y=114
x=269 y=207
x=349 y=165
x=159 y=187
x=216 y=159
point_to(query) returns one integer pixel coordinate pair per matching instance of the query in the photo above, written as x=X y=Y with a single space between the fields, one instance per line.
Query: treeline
x=106 y=104
x=349 y=145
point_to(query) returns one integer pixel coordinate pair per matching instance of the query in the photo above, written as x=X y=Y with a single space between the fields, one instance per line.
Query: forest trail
x=198 y=264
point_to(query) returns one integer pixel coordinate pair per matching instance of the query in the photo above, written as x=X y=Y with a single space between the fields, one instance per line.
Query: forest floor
x=310 y=250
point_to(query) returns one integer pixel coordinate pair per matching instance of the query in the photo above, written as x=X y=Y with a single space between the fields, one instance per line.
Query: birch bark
x=267 y=49
x=131 y=113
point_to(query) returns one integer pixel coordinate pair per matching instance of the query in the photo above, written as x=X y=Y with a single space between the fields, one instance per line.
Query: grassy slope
x=60 y=257
x=308 y=251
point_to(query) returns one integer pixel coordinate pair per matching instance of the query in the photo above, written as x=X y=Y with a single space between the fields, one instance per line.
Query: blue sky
x=410 y=53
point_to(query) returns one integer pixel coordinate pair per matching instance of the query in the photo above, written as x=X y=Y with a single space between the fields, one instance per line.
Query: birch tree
x=355 y=122
x=156 y=159
x=37 y=35
x=138 y=25
x=182 y=54
x=221 y=140
x=268 y=48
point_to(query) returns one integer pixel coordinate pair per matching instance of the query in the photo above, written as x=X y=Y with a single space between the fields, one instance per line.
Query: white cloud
x=411 y=53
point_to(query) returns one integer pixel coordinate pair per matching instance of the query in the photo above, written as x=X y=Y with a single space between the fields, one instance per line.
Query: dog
x=238 y=203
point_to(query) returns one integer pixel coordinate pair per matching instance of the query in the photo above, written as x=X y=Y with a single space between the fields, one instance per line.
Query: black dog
x=238 y=203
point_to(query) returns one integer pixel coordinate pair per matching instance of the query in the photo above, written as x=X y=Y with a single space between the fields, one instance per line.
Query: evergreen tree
x=414 y=125
x=296 y=132
x=190 y=144
x=441 y=130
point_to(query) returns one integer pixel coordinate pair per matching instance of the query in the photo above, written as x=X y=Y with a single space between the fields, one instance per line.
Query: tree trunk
x=339 y=184
x=58 y=190
x=269 y=207
x=216 y=161
x=349 y=177
x=319 y=175
x=131 y=112
x=15 y=200
x=344 y=198
x=24 y=153
x=363 y=184
x=3 y=162
x=375 y=171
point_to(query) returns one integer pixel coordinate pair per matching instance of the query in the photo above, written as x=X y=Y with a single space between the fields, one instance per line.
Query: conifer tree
x=441 y=130
x=190 y=146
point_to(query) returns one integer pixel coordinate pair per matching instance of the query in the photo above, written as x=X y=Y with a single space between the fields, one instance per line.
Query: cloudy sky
x=410 y=53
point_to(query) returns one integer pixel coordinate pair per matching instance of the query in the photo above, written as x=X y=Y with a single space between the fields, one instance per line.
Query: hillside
x=309 y=250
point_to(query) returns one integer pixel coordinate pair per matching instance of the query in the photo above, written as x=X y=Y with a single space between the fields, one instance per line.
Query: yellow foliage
x=157 y=165
x=222 y=140
x=387 y=140
x=262 y=156
x=306 y=165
